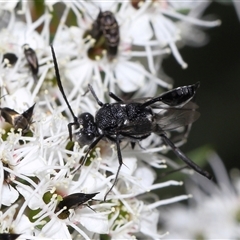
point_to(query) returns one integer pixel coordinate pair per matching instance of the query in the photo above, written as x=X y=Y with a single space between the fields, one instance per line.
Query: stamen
x=168 y=201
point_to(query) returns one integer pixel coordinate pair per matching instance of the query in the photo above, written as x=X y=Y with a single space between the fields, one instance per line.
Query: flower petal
x=93 y=222
x=129 y=76
x=56 y=229
x=9 y=195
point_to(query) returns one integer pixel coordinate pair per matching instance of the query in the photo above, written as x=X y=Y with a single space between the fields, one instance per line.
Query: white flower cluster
x=213 y=213
x=38 y=162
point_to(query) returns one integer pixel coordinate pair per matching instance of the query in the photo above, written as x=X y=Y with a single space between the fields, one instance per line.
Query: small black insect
x=6 y=174
x=32 y=60
x=73 y=201
x=11 y=59
x=9 y=236
x=106 y=25
x=135 y=120
x=18 y=120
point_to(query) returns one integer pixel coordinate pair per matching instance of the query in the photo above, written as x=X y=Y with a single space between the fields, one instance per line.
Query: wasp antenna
x=60 y=83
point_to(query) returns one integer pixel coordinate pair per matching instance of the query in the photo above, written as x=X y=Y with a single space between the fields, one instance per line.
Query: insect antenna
x=75 y=119
x=182 y=156
x=60 y=83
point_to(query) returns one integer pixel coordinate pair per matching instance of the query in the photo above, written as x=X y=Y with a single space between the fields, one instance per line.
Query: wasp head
x=88 y=129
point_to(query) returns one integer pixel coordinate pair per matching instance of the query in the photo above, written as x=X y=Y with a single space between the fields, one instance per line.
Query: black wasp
x=106 y=25
x=135 y=120
x=73 y=201
x=32 y=60
x=18 y=120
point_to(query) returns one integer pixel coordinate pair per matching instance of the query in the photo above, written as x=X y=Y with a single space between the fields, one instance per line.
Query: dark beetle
x=32 y=60
x=135 y=120
x=73 y=201
x=106 y=25
x=18 y=120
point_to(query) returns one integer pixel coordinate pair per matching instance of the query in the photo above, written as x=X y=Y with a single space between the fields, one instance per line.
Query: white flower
x=121 y=72
x=40 y=168
x=212 y=207
x=18 y=33
x=9 y=5
x=8 y=194
x=8 y=224
x=160 y=15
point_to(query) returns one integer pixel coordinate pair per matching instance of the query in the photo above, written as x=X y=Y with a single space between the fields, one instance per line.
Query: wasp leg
x=182 y=156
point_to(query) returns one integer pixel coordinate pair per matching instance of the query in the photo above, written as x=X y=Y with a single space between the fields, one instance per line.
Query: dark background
x=217 y=66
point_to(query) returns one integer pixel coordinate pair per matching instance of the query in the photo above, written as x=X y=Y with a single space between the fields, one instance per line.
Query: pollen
x=97 y=57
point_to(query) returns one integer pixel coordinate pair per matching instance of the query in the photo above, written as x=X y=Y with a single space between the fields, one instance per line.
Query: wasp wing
x=187 y=106
x=174 y=117
x=168 y=118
